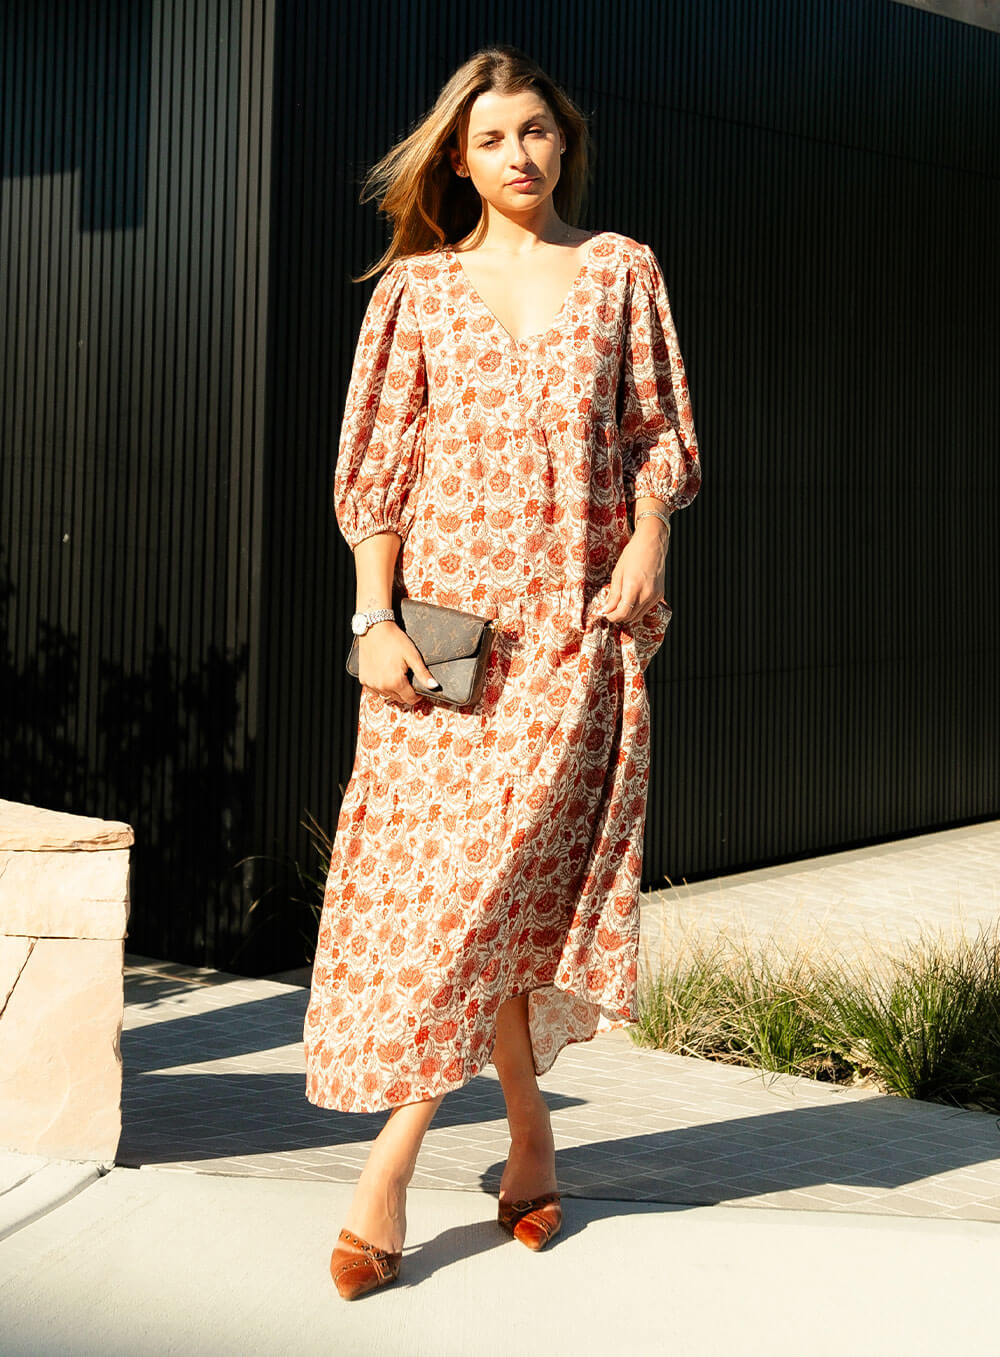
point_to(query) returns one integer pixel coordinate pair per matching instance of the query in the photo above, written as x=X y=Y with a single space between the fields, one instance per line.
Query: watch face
x=359 y=624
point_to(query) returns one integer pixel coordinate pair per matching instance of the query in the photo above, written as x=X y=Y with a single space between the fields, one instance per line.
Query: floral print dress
x=490 y=850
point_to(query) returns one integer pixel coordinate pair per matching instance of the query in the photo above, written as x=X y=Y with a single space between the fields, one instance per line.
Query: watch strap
x=377 y=615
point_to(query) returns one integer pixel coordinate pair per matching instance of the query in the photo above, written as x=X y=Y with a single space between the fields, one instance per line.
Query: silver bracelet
x=653 y=513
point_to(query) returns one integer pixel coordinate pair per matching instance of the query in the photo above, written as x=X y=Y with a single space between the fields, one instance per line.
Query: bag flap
x=441 y=633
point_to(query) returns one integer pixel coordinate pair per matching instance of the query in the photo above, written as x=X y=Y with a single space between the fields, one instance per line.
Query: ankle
x=378 y=1212
x=386 y=1184
x=390 y=1164
x=530 y=1127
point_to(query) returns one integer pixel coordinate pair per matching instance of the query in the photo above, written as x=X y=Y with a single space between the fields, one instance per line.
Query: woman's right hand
x=386 y=655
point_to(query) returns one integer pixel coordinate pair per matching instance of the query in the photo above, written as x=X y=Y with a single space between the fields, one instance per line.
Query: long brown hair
x=414 y=183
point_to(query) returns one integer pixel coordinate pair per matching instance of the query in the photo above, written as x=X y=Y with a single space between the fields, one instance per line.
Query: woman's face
x=512 y=149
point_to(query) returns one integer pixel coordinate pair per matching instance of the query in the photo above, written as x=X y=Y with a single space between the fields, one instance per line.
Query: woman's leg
x=378 y=1209
x=531 y=1164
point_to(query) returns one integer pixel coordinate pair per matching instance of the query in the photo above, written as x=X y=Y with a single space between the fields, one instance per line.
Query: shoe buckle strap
x=380 y=1262
x=379 y=1258
x=529 y=1203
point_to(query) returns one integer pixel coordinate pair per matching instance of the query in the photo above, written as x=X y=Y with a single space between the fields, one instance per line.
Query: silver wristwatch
x=361 y=622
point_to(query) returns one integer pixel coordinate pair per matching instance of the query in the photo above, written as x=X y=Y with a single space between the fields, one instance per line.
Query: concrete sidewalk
x=861 y=1220
x=154 y=1261
x=32 y=1186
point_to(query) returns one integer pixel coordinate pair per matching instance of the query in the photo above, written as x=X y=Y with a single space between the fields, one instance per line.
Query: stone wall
x=980 y=13
x=64 y=906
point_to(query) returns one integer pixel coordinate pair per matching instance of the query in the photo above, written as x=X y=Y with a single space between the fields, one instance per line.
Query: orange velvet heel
x=357 y=1266
x=533 y=1221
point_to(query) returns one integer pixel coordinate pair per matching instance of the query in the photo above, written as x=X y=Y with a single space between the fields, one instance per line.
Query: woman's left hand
x=638 y=578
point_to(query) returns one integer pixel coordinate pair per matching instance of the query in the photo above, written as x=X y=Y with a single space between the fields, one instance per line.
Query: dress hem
x=613 y=1024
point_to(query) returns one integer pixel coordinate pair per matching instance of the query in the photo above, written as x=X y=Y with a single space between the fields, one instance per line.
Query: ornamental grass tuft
x=923 y=1022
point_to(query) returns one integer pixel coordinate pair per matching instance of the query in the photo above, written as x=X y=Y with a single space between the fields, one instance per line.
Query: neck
x=506 y=236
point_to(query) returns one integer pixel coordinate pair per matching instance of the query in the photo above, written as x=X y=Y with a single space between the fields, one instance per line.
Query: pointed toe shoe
x=358 y=1267
x=534 y=1220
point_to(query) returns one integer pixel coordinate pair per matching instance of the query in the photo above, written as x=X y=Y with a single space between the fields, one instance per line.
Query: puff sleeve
x=656 y=423
x=380 y=453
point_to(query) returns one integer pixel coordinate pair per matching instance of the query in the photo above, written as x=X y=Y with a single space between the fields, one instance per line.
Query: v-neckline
x=554 y=323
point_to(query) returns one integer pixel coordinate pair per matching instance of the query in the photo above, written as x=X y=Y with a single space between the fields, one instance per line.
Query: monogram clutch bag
x=455 y=646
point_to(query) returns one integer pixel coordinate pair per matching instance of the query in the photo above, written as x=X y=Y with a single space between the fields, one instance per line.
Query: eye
x=494 y=141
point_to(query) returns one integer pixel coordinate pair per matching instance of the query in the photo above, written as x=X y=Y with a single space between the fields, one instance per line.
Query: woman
x=517 y=396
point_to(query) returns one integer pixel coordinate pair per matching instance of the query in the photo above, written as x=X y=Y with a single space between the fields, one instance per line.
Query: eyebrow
x=498 y=131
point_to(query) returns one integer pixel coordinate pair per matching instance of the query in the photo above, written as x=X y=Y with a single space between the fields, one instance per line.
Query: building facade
x=179 y=226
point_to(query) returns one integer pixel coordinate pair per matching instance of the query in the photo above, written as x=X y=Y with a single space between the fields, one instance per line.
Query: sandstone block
x=60 y=1051
x=14 y=952
x=33 y=828
x=64 y=894
x=64 y=905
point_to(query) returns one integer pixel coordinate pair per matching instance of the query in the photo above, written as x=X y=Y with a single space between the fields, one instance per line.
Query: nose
x=519 y=153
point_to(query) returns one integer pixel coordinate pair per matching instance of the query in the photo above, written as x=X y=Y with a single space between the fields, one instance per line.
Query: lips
x=520 y=183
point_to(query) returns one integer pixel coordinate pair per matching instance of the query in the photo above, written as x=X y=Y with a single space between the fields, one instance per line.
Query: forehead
x=491 y=110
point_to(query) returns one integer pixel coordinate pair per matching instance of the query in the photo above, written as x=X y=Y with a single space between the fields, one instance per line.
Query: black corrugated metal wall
x=133 y=249
x=819 y=179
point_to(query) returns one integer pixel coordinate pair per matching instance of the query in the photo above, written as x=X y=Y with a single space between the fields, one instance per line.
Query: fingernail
x=433 y=683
